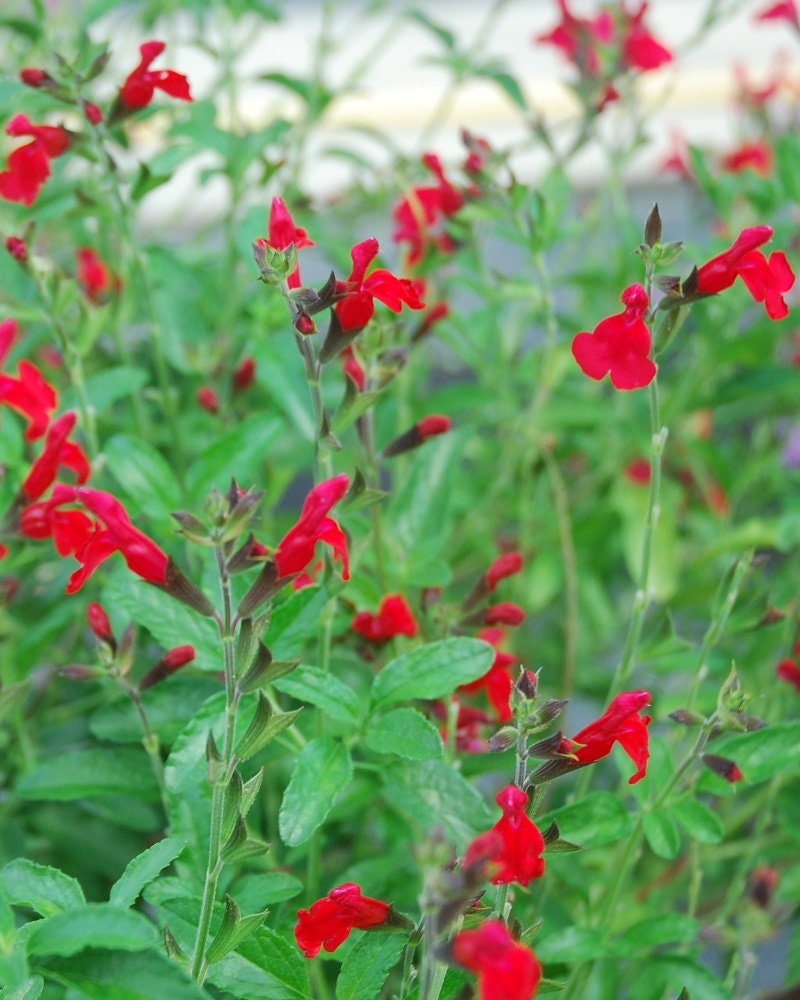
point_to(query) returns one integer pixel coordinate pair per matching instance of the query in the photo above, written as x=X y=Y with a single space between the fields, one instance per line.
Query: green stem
x=150 y=740
x=199 y=966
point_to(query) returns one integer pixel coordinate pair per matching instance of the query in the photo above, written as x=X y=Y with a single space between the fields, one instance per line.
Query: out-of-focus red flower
x=677 y=159
x=470 y=725
x=353 y=368
x=9 y=330
x=283 y=234
x=94 y=114
x=430 y=426
x=756 y=155
x=296 y=549
x=18 y=248
x=789 y=670
x=30 y=394
x=620 y=344
x=420 y=214
x=328 y=921
x=620 y=723
x=507 y=564
x=766 y=280
x=244 y=374
x=504 y=613
x=578 y=37
x=784 y=11
x=208 y=398
x=514 y=844
x=139 y=88
x=34 y=77
x=96 y=278
x=58 y=451
x=99 y=622
x=497 y=682
x=640 y=49
x=639 y=472
x=92 y=542
x=360 y=290
x=171 y=661
x=29 y=165
x=394 y=617
x=506 y=969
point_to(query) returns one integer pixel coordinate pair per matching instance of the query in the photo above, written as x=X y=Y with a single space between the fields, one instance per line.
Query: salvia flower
x=784 y=11
x=514 y=844
x=497 y=682
x=92 y=542
x=766 y=280
x=640 y=49
x=579 y=39
x=430 y=426
x=420 y=215
x=95 y=277
x=18 y=248
x=171 y=661
x=284 y=235
x=58 y=452
x=139 y=88
x=99 y=622
x=756 y=155
x=29 y=165
x=359 y=291
x=507 y=564
x=394 y=617
x=620 y=723
x=504 y=613
x=789 y=670
x=30 y=394
x=208 y=398
x=619 y=345
x=296 y=549
x=329 y=921
x=506 y=969
x=244 y=374
x=723 y=766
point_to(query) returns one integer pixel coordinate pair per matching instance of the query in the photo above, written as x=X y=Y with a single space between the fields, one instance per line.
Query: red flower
x=789 y=670
x=470 y=723
x=420 y=215
x=139 y=88
x=766 y=280
x=244 y=374
x=755 y=155
x=57 y=452
x=497 y=681
x=785 y=11
x=508 y=564
x=504 y=613
x=29 y=165
x=208 y=398
x=296 y=549
x=620 y=344
x=283 y=234
x=96 y=278
x=94 y=115
x=329 y=920
x=18 y=248
x=639 y=472
x=394 y=617
x=353 y=368
x=578 y=37
x=513 y=845
x=428 y=427
x=356 y=309
x=620 y=723
x=171 y=661
x=31 y=395
x=640 y=49
x=99 y=622
x=92 y=542
x=9 y=330
x=506 y=969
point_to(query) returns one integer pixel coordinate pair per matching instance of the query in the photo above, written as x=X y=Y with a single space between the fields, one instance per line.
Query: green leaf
x=322 y=769
x=233 y=930
x=142 y=869
x=238 y=453
x=144 y=475
x=663 y=928
x=186 y=765
x=571 y=944
x=294 y=621
x=95 y=925
x=367 y=964
x=169 y=707
x=509 y=84
x=99 y=771
x=119 y=975
x=253 y=891
x=432 y=671
x=406 y=733
x=681 y=972
x=698 y=820
x=31 y=989
x=430 y=793
x=267 y=967
x=662 y=833
x=598 y=818
x=763 y=753
x=44 y=890
x=321 y=688
x=108 y=387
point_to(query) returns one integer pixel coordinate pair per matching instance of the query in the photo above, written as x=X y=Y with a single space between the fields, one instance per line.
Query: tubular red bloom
x=622 y=724
x=789 y=670
x=578 y=37
x=504 y=613
x=394 y=617
x=283 y=234
x=34 y=77
x=96 y=278
x=328 y=922
x=766 y=280
x=433 y=424
x=29 y=165
x=513 y=845
x=508 y=564
x=620 y=344
x=356 y=309
x=244 y=374
x=723 y=766
x=753 y=155
x=497 y=682
x=208 y=398
x=57 y=452
x=296 y=549
x=18 y=248
x=9 y=331
x=99 y=622
x=640 y=49
x=470 y=723
x=31 y=395
x=139 y=88
x=420 y=214
x=94 y=115
x=352 y=367
x=93 y=542
x=784 y=11
x=506 y=969
x=178 y=657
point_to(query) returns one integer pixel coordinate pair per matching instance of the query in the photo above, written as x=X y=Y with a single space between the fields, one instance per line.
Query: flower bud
x=208 y=398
